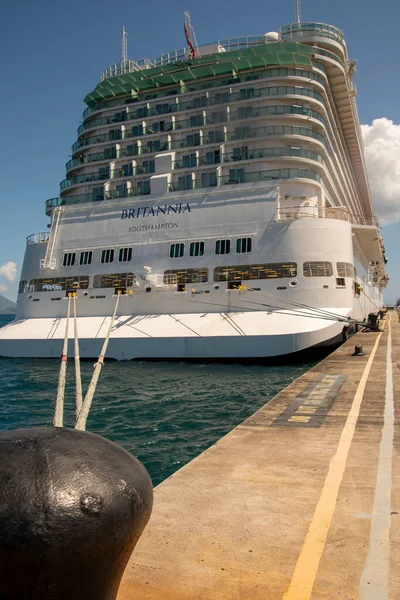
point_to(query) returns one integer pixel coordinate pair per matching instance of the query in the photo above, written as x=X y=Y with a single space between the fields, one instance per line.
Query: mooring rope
x=78 y=380
x=59 y=410
x=84 y=412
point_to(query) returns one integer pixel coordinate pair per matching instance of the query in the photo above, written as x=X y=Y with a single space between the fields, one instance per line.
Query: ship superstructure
x=223 y=191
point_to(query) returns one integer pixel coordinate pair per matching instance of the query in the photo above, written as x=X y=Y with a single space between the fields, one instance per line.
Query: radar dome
x=271 y=36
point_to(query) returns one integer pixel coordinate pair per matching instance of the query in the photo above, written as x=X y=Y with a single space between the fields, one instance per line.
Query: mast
x=190 y=35
x=124 y=45
x=297 y=11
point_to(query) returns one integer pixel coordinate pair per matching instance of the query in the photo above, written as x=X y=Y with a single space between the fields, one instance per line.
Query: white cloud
x=9 y=270
x=382 y=155
x=3 y=288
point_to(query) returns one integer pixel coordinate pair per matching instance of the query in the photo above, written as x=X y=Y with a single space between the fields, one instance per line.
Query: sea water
x=164 y=413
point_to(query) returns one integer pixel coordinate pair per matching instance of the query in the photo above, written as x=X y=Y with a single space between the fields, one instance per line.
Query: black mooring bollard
x=373 y=321
x=358 y=350
x=72 y=507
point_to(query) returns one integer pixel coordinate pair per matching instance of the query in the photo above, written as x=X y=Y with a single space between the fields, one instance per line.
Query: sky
x=53 y=52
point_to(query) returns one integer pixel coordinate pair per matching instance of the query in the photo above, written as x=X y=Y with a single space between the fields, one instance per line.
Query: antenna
x=190 y=35
x=298 y=11
x=124 y=45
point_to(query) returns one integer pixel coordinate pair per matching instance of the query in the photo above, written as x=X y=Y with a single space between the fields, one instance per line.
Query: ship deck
x=300 y=501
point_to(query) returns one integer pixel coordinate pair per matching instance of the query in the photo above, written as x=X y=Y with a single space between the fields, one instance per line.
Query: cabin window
x=132 y=149
x=209 y=179
x=125 y=254
x=317 y=269
x=345 y=269
x=21 y=287
x=57 y=284
x=196 y=121
x=196 y=249
x=156 y=127
x=243 y=245
x=217 y=136
x=193 y=139
x=189 y=160
x=115 y=280
x=176 y=250
x=236 y=176
x=69 y=259
x=143 y=186
x=98 y=193
x=104 y=172
x=185 y=182
x=257 y=271
x=122 y=190
x=240 y=153
x=126 y=170
x=213 y=157
x=148 y=166
x=137 y=130
x=222 y=246
x=340 y=282
x=115 y=134
x=182 y=276
x=86 y=258
x=219 y=116
x=107 y=256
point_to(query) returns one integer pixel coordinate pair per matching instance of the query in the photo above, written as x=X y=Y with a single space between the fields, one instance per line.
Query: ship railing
x=38 y=238
x=340 y=213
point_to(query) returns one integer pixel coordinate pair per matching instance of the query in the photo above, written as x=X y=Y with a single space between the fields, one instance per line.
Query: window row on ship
x=304 y=111
x=231 y=274
x=147 y=101
x=170 y=122
x=201 y=139
x=195 y=159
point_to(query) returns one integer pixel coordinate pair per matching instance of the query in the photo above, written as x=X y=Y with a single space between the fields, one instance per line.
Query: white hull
x=209 y=336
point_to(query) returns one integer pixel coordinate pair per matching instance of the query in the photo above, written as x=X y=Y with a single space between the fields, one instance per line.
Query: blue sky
x=53 y=52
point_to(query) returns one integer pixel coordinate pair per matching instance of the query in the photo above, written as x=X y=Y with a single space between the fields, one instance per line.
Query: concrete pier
x=299 y=502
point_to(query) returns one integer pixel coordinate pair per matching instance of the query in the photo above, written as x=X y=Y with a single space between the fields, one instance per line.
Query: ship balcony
x=279 y=111
x=315 y=32
x=312 y=210
x=244 y=154
x=363 y=227
x=95 y=196
x=212 y=118
x=38 y=238
x=237 y=176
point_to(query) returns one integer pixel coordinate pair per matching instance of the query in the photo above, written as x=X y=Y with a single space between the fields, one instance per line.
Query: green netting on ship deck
x=225 y=63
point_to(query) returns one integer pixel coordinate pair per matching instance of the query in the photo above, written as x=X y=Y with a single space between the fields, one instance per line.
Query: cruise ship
x=218 y=193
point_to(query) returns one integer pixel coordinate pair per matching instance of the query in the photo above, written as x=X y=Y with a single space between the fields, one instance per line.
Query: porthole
x=148 y=289
x=293 y=283
x=282 y=287
x=325 y=287
x=216 y=287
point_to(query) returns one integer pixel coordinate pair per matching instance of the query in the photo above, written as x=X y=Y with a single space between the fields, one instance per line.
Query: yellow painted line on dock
x=305 y=572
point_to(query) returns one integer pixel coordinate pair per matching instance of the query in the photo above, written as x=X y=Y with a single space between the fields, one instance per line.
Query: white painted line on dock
x=305 y=572
x=374 y=582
